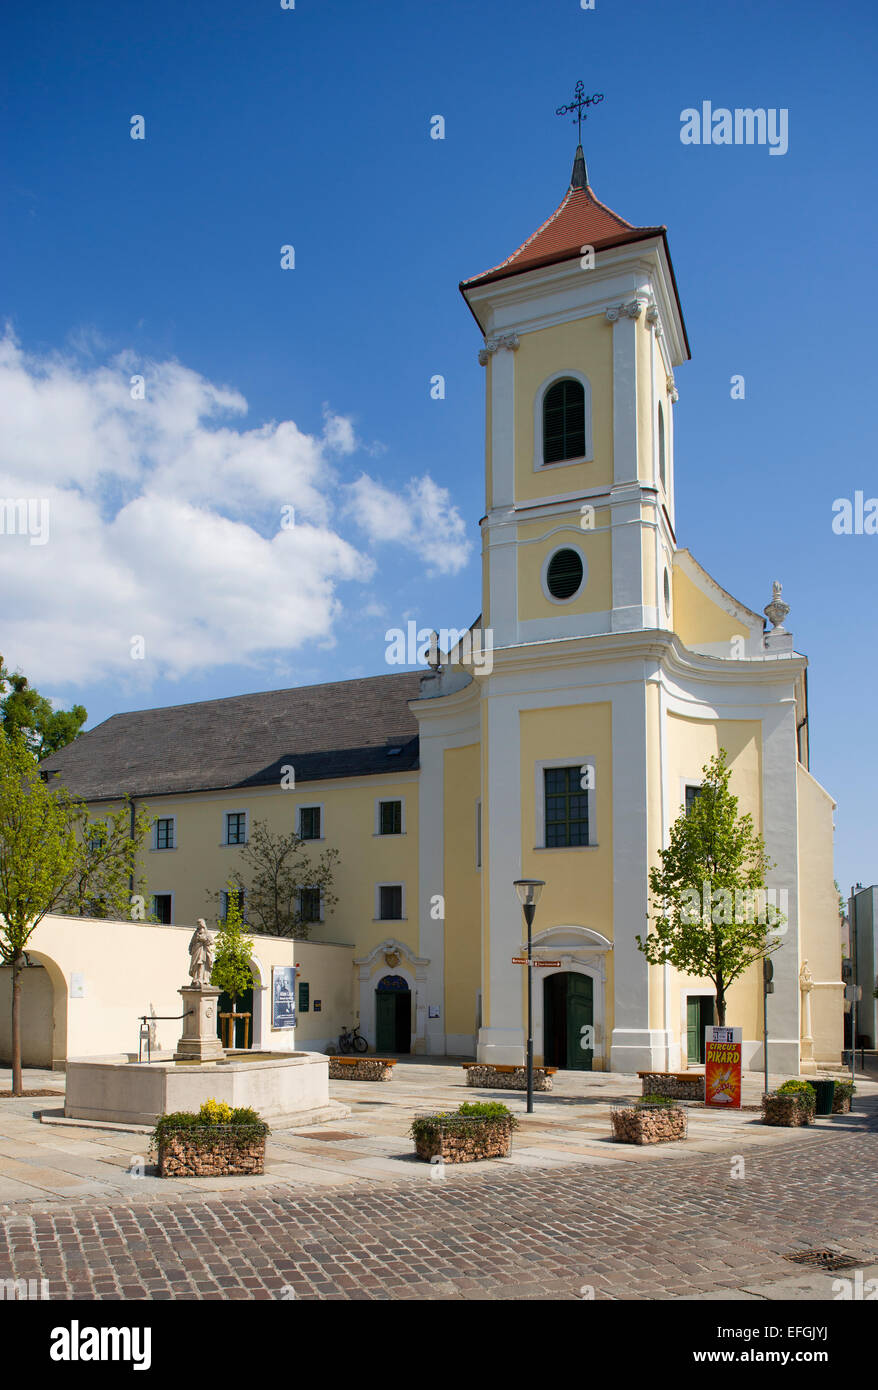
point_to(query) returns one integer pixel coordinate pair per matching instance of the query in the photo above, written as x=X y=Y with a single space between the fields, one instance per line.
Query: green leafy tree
x=38 y=854
x=25 y=711
x=233 y=950
x=106 y=880
x=706 y=893
x=276 y=869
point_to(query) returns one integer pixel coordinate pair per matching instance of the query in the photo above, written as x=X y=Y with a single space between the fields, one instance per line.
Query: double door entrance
x=568 y=1021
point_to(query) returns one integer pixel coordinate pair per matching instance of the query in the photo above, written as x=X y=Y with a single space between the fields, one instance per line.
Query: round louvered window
x=564 y=574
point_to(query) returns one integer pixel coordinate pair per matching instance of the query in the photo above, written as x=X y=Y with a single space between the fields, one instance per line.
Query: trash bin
x=825 y=1092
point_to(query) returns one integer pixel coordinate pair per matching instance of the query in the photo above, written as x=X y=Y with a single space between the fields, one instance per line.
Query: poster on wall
x=283 y=996
x=722 y=1067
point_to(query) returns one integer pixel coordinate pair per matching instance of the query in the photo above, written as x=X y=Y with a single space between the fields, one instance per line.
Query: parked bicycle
x=352 y=1040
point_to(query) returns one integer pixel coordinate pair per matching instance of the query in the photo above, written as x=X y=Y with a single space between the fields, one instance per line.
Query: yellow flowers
x=215 y=1112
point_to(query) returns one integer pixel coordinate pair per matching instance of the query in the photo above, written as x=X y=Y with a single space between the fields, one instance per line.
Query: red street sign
x=519 y=960
x=522 y=960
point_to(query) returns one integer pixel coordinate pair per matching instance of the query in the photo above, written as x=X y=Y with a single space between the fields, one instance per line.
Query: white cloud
x=422 y=519
x=165 y=523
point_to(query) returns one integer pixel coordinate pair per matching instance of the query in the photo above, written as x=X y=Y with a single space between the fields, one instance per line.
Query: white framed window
x=224 y=903
x=164 y=834
x=163 y=908
x=390 y=902
x=236 y=829
x=309 y=822
x=565 y=805
x=311 y=904
x=689 y=792
x=390 y=815
x=478 y=832
x=554 y=419
x=564 y=574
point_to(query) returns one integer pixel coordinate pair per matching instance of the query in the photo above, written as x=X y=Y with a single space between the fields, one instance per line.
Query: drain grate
x=823 y=1259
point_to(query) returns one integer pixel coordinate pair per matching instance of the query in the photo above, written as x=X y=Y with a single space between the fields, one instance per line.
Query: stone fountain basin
x=286 y=1088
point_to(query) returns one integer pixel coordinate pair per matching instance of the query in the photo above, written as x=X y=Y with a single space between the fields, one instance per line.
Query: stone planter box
x=507 y=1078
x=649 y=1124
x=458 y=1140
x=791 y=1111
x=361 y=1068
x=841 y=1100
x=210 y=1152
x=675 y=1085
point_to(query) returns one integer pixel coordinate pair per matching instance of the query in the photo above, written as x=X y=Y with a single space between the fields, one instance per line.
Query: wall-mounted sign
x=722 y=1067
x=77 y=985
x=433 y=1011
x=304 y=996
x=318 y=1005
x=283 y=996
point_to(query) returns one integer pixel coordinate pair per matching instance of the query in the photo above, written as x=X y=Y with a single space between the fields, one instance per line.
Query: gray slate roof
x=324 y=731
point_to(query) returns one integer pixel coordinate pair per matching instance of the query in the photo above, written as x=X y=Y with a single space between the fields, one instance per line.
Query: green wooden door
x=699 y=1015
x=385 y=1021
x=580 y=1016
x=693 y=1025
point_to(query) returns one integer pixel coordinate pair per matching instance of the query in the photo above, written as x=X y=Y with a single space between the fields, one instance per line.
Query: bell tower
x=582 y=331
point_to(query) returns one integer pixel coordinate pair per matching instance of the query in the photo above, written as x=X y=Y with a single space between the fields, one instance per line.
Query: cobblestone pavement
x=676 y=1228
x=570 y=1126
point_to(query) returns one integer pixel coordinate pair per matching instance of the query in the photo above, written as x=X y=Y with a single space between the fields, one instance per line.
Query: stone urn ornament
x=777 y=610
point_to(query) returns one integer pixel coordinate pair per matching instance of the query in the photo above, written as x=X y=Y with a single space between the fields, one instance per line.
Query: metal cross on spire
x=578 y=104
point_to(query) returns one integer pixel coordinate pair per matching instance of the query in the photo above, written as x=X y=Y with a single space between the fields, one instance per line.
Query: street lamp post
x=529 y=890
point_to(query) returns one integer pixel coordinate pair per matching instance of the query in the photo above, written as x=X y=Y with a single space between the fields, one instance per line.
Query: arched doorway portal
x=568 y=1020
x=393 y=1015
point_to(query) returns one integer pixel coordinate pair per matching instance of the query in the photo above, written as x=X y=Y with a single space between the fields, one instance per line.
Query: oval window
x=564 y=574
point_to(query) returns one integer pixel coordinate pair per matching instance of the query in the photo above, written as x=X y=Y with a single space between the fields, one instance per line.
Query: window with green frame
x=566 y=807
x=564 y=421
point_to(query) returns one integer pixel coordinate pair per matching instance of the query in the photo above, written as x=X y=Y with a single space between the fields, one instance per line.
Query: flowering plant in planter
x=482 y=1129
x=213 y=1140
x=791 y=1105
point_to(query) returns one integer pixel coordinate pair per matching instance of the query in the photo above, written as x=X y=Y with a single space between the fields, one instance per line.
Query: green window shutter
x=564 y=421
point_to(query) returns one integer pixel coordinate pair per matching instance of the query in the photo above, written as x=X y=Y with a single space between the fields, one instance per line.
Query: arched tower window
x=661 y=445
x=564 y=421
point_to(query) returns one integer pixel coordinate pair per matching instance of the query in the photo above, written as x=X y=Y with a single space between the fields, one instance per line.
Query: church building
x=618 y=667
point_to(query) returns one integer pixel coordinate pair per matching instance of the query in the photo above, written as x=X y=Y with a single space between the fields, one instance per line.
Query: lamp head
x=529 y=890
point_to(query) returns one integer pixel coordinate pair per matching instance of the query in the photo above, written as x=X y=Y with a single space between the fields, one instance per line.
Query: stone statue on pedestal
x=199 y=1042
x=201 y=954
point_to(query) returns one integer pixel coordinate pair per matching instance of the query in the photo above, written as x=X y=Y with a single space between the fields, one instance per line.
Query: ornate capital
x=672 y=390
x=632 y=310
x=653 y=317
x=510 y=341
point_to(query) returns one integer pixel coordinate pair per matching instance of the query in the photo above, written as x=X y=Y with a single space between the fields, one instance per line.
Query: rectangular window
x=692 y=794
x=390 y=902
x=236 y=827
x=224 y=902
x=309 y=822
x=164 y=833
x=566 y=805
x=390 y=818
x=161 y=908
x=309 y=904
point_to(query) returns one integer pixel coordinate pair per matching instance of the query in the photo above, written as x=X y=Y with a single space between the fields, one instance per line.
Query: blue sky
x=310 y=127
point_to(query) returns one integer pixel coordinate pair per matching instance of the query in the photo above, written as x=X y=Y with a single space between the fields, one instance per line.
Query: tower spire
x=579 y=177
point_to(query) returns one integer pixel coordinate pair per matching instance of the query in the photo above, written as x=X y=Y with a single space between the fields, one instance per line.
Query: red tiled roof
x=580 y=220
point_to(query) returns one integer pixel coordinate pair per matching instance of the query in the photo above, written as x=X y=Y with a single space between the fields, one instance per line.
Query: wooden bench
x=672 y=1075
x=363 y=1057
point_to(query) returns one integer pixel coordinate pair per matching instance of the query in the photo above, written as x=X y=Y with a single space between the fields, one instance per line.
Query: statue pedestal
x=199 y=1042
